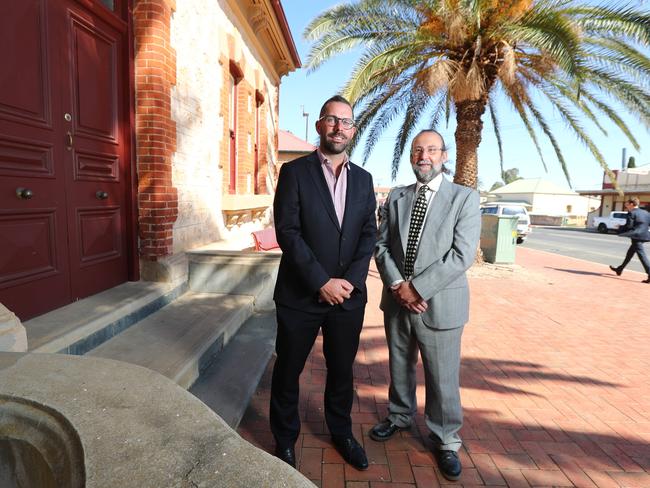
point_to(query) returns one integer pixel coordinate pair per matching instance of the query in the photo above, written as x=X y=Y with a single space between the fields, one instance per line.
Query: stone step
x=228 y=384
x=250 y=273
x=182 y=339
x=83 y=325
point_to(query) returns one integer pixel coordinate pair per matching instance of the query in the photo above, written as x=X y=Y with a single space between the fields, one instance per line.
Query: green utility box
x=499 y=238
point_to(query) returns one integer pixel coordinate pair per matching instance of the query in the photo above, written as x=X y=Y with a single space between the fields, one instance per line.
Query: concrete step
x=181 y=339
x=83 y=325
x=228 y=384
x=235 y=272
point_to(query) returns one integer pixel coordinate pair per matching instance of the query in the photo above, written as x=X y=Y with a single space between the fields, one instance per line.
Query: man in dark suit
x=636 y=228
x=324 y=213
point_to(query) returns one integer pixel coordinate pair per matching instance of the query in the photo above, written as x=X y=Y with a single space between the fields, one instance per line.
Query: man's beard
x=423 y=176
x=334 y=147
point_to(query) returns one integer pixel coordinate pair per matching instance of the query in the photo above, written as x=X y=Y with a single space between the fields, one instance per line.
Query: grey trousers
x=440 y=352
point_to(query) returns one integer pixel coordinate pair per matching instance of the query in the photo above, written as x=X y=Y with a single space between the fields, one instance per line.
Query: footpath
x=555 y=386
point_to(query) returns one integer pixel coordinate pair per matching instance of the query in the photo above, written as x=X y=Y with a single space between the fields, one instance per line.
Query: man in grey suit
x=428 y=236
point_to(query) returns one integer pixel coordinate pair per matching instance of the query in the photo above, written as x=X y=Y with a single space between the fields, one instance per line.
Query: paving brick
x=376 y=472
x=310 y=462
x=401 y=473
x=513 y=461
x=632 y=480
x=425 y=477
x=487 y=469
x=543 y=477
x=515 y=478
x=333 y=476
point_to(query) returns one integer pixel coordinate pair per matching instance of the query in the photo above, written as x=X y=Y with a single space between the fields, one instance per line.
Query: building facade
x=547 y=203
x=632 y=182
x=130 y=132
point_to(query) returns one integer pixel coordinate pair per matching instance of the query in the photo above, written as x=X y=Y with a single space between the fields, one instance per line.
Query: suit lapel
x=316 y=173
x=439 y=207
x=351 y=189
x=404 y=204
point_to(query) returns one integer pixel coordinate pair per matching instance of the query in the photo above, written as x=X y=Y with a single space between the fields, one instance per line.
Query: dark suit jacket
x=314 y=247
x=636 y=227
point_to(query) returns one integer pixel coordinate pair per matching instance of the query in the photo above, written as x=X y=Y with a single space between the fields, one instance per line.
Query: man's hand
x=407 y=296
x=335 y=291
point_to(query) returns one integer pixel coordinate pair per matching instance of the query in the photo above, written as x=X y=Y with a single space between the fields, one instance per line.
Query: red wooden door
x=62 y=140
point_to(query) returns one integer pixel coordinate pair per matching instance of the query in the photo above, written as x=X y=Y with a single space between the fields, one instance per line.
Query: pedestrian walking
x=636 y=228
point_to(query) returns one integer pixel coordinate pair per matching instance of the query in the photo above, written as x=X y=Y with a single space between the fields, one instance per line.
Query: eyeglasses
x=429 y=150
x=332 y=120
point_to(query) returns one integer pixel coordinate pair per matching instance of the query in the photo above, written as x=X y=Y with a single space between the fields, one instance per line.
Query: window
x=259 y=100
x=489 y=210
x=236 y=75
x=513 y=211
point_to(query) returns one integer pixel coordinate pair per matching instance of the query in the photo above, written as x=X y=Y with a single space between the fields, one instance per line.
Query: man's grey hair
x=431 y=131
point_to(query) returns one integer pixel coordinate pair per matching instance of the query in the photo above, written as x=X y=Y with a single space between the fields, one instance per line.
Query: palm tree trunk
x=468 y=137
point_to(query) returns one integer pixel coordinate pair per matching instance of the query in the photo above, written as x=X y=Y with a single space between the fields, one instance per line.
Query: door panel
x=94 y=71
x=29 y=249
x=34 y=271
x=96 y=182
x=25 y=81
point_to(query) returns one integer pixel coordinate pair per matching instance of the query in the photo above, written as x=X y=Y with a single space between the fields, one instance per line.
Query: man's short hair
x=633 y=201
x=430 y=131
x=335 y=98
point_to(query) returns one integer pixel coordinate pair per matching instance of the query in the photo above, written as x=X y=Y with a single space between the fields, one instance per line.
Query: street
x=583 y=244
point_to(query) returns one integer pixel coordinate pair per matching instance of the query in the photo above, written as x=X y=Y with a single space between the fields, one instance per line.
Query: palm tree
x=426 y=59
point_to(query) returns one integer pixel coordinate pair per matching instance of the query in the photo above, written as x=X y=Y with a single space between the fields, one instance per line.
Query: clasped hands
x=408 y=297
x=335 y=291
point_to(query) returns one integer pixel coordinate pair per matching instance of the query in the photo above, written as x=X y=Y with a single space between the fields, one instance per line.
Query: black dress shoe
x=449 y=464
x=618 y=271
x=287 y=454
x=385 y=430
x=351 y=451
x=646 y=281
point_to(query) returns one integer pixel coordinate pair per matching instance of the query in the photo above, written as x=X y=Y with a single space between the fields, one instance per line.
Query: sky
x=310 y=89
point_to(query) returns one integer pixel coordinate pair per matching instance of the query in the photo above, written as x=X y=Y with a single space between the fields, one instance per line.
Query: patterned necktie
x=417 y=218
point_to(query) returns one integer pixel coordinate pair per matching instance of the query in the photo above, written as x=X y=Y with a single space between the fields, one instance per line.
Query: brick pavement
x=554 y=380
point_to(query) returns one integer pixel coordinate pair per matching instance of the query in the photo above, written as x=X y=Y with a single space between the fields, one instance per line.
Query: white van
x=509 y=208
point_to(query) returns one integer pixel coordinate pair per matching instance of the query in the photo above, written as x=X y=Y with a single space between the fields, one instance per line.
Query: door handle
x=24 y=193
x=69 y=140
x=101 y=195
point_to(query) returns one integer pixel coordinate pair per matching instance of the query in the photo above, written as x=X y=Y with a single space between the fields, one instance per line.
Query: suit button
x=340 y=263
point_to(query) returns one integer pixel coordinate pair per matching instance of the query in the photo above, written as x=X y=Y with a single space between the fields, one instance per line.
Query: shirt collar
x=327 y=162
x=434 y=184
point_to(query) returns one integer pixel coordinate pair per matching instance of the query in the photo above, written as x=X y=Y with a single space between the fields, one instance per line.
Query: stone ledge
x=137 y=428
x=13 y=336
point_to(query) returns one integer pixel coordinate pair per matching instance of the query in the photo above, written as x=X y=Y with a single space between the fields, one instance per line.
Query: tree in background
x=427 y=59
x=631 y=162
x=508 y=176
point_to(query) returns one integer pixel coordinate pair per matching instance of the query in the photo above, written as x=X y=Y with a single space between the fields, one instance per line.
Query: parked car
x=611 y=222
x=511 y=209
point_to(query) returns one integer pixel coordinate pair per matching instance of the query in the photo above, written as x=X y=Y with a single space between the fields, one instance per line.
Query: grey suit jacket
x=446 y=250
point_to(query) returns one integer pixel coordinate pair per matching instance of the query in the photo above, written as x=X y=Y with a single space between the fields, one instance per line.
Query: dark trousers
x=637 y=248
x=297 y=332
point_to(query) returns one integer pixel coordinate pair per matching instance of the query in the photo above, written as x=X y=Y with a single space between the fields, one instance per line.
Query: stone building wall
x=185 y=52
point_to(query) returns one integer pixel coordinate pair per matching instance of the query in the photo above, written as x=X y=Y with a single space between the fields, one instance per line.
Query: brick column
x=155 y=74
